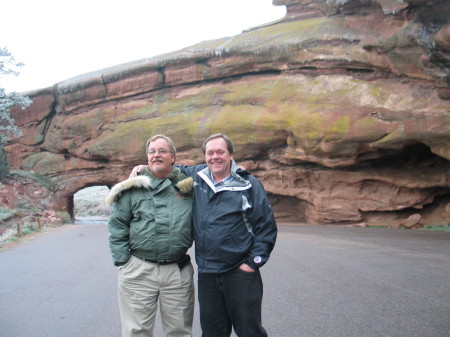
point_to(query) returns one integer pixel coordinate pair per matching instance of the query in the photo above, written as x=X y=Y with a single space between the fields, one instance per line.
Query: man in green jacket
x=150 y=232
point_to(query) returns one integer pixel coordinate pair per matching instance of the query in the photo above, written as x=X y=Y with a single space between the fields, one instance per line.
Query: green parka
x=151 y=218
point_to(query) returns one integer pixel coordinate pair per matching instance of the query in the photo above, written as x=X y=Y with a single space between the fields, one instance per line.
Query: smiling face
x=218 y=158
x=160 y=159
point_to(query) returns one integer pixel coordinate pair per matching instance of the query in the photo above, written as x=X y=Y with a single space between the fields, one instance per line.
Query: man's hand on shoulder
x=136 y=170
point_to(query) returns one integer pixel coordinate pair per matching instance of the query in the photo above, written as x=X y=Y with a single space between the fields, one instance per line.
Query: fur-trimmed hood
x=184 y=184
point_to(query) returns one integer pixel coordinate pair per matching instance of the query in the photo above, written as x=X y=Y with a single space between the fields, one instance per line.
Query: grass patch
x=28 y=230
x=11 y=239
x=445 y=228
x=64 y=216
x=6 y=213
x=14 y=239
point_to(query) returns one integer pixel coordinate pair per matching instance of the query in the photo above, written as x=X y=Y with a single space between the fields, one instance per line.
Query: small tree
x=8 y=66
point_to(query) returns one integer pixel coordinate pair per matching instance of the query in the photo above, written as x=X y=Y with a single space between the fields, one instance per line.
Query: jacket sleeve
x=119 y=230
x=264 y=227
x=190 y=170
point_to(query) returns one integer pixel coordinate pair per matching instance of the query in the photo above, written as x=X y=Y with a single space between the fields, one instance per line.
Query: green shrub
x=64 y=216
x=6 y=213
x=28 y=230
x=24 y=207
x=4 y=167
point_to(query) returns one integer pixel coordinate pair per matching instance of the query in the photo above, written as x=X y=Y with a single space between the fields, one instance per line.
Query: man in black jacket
x=234 y=232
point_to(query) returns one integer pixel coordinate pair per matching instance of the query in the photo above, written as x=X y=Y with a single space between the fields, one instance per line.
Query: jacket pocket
x=142 y=233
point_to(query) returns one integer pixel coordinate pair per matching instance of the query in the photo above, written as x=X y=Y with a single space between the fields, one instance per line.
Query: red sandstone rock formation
x=341 y=109
x=31 y=199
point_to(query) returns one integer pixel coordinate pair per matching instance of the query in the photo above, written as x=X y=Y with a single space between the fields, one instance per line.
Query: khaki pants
x=141 y=284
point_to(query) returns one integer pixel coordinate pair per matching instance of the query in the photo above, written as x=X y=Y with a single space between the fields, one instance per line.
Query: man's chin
x=217 y=171
x=157 y=168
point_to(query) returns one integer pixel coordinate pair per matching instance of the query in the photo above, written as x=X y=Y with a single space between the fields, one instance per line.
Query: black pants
x=231 y=299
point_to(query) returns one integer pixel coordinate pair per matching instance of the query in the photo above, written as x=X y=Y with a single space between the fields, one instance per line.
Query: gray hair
x=169 y=141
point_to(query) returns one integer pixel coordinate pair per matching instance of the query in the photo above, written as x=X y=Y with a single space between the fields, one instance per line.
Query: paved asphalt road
x=320 y=282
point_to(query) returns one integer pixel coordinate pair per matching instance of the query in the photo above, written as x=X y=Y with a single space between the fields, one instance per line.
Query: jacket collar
x=146 y=180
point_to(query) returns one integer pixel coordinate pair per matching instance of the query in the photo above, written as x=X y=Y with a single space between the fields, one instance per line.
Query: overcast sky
x=60 y=39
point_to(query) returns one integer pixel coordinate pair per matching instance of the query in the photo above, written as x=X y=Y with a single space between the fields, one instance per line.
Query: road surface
x=320 y=282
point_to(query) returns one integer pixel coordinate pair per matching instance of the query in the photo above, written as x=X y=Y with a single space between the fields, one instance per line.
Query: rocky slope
x=27 y=199
x=341 y=109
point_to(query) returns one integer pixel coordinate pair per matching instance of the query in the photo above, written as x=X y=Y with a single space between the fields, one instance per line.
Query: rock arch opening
x=90 y=202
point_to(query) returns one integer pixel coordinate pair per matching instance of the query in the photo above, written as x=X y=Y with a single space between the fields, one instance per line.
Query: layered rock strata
x=341 y=109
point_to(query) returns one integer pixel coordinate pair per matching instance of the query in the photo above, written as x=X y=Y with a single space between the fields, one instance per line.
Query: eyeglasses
x=160 y=151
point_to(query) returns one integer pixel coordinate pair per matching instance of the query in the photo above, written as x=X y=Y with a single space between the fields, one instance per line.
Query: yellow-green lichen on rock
x=44 y=163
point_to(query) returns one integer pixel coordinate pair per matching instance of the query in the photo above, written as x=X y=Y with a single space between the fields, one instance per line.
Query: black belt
x=181 y=262
x=156 y=262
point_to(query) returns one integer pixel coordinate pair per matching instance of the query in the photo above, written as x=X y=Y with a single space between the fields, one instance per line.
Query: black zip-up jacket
x=232 y=226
